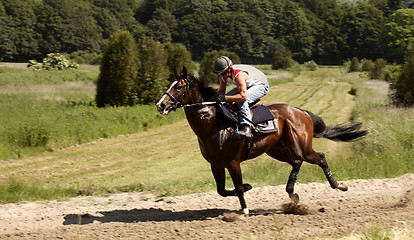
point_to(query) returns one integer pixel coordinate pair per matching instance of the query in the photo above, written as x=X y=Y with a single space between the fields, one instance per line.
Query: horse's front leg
x=239 y=187
x=220 y=177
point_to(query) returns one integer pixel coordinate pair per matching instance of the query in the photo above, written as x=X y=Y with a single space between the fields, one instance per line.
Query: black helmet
x=222 y=64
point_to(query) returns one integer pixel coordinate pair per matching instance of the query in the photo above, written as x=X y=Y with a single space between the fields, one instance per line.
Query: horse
x=291 y=143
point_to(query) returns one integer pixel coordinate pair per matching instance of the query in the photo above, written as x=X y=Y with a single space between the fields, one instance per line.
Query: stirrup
x=245 y=130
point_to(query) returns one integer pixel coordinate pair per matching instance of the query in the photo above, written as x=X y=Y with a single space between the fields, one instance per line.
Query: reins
x=198 y=104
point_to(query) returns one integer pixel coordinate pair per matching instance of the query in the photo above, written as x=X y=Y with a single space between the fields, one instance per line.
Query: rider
x=251 y=85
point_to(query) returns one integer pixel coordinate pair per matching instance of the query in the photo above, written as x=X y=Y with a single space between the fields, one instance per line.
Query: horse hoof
x=342 y=187
x=294 y=197
x=246 y=211
x=247 y=187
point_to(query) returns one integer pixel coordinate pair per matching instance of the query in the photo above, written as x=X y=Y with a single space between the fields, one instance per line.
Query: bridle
x=178 y=102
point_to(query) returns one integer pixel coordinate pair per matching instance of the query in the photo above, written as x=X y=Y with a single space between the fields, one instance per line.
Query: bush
x=206 y=70
x=57 y=61
x=30 y=135
x=178 y=56
x=402 y=89
x=85 y=57
x=392 y=72
x=311 y=65
x=137 y=73
x=367 y=65
x=33 y=64
x=153 y=72
x=53 y=61
x=118 y=71
x=379 y=69
x=355 y=65
x=375 y=70
x=282 y=61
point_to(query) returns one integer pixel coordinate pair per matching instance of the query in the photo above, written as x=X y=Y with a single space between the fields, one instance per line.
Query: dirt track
x=208 y=216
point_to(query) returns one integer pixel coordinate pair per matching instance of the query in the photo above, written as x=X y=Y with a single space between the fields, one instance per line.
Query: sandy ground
x=322 y=212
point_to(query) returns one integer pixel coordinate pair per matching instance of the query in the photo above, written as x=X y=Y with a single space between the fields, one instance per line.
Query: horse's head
x=178 y=93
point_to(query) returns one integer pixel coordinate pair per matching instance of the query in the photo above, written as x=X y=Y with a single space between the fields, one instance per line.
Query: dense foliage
x=398 y=34
x=137 y=73
x=327 y=31
x=152 y=71
x=118 y=71
x=403 y=91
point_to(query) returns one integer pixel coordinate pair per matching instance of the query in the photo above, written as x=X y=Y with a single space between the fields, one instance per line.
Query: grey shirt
x=255 y=76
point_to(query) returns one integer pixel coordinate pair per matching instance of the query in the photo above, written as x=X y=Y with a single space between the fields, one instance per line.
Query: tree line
x=326 y=31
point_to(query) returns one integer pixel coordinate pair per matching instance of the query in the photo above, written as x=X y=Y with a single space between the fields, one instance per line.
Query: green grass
x=16 y=191
x=136 y=149
x=49 y=110
x=18 y=77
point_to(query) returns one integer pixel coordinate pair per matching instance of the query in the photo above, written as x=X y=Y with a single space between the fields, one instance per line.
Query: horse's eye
x=178 y=87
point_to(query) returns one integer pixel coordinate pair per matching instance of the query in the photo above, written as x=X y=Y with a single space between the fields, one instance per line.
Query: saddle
x=263 y=120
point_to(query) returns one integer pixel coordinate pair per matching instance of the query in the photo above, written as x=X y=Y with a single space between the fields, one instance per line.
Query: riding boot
x=245 y=130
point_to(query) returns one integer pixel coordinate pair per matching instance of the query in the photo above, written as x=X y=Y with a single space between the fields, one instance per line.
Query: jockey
x=251 y=85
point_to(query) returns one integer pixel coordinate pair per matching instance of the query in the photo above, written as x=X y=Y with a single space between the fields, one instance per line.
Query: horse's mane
x=208 y=92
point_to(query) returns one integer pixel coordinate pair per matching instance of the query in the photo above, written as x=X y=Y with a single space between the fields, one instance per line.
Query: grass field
x=50 y=110
x=86 y=158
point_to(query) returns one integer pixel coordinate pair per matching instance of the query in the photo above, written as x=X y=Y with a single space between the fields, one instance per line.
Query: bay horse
x=291 y=143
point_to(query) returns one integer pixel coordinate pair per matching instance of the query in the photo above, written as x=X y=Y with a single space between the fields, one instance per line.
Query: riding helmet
x=222 y=64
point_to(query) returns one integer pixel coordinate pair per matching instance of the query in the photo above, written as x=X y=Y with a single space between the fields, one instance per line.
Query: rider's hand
x=221 y=98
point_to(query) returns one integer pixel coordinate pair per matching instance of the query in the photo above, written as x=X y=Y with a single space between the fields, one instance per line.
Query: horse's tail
x=344 y=132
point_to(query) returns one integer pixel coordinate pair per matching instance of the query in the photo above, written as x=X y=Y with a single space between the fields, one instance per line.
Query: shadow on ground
x=154 y=215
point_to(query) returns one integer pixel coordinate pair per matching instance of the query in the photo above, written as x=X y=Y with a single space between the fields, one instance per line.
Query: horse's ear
x=176 y=73
x=185 y=72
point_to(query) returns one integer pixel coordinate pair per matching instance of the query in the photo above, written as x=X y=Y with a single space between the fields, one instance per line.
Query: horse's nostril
x=161 y=106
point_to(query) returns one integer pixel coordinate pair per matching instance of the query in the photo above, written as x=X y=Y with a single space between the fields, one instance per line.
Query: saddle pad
x=260 y=114
x=227 y=114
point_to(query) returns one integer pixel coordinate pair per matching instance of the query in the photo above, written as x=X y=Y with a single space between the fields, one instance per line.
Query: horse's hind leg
x=319 y=158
